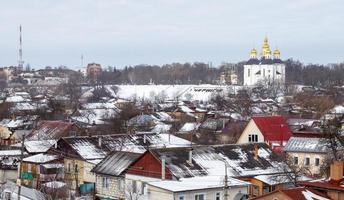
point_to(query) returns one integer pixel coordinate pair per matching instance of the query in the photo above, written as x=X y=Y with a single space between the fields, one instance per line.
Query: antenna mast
x=20 y=62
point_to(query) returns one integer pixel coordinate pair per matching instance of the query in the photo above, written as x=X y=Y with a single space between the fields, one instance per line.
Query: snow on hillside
x=183 y=92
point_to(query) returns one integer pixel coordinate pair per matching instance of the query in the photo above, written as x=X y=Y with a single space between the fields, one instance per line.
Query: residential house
x=83 y=153
x=10 y=191
x=272 y=130
x=9 y=161
x=208 y=187
x=307 y=152
x=110 y=174
x=41 y=168
x=299 y=193
x=332 y=186
x=244 y=162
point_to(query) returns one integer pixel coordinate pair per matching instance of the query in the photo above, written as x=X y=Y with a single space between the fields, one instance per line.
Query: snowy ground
x=166 y=92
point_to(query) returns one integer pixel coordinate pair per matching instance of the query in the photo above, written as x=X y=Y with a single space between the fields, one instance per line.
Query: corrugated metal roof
x=115 y=163
x=306 y=144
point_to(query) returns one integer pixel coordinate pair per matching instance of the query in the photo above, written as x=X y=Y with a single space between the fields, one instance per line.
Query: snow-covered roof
x=37 y=146
x=15 y=99
x=163 y=116
x=97 y=116
x=189 y=126
x=13 y=152
x=338 y=109
x=47 y=130
x=54 y=184
x=197 y=183
x=186 y=109
x=161 y=128
x=41 y=158
x=239 y=160
x=87 y=148
x=98 y=106
x=278 y=179
x=142 y=120
x=306 y=144
x=115 y=163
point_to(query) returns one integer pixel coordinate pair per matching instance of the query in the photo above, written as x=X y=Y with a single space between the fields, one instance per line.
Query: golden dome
x=253 y=53
x=266 y=51
x=277 y=53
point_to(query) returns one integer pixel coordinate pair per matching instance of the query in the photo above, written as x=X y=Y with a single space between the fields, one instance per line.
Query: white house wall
x=251 y=128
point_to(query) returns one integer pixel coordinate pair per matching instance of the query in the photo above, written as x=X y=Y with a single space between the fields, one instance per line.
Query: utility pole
x=20 y=61
x=20 y=165
x=226 y=188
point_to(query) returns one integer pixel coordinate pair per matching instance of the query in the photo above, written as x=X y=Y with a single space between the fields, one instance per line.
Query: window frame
x=253 y=138
x=196 y=196
x=317 y=162
x=296 y=160
x=218 y=195
x=307 y=161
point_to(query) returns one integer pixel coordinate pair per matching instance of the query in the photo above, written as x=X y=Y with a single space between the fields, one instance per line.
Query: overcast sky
x=129 y=32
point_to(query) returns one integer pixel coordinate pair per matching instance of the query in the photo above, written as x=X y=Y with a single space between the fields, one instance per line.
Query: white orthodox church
x=268 y=69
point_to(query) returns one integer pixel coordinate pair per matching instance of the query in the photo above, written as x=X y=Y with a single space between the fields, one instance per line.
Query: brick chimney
x=336 y=171
x=255 y=151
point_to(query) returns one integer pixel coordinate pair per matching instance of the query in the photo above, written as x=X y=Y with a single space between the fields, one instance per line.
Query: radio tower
x=20 y=62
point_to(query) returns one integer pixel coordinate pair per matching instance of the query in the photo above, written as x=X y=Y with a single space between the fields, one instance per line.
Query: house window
x=307 y=161
x=134 y=185
x=105 y=182
x=7 y=195
x=121 y=185
x=296 y=160
x=264 y=72
x=143 y=186
x=253 y=138
x=248 y=72
x=218 y=196
x=181 y=197
x=199 y=197
x=69 y=167
x=29 y=167
x=76 y=168
x=317 y=161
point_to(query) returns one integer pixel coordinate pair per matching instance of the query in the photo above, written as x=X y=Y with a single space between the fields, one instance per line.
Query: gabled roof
x=177 y=162
x=305 y=144
x=274 y=128
x=115 y=163
x=41 y=158
x=86 y=147
x=47 y=130
x=210 y=160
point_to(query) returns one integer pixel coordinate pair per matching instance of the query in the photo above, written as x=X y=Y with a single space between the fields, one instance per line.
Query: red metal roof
x=326 y=184
x=274 y=128
x=296 y=193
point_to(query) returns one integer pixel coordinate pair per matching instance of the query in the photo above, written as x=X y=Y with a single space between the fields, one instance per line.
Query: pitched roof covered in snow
x=305 y=144
x=37 y=146
x=177 y=161
x=47 y=130
x=197 y=183
x=97 y=147
x=86 y=147
x=240 y=160
x=115 y=163
x=274 y=128
x=41 y=158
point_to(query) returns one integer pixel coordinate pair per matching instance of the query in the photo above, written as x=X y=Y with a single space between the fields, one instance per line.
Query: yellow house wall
x=302 y=156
